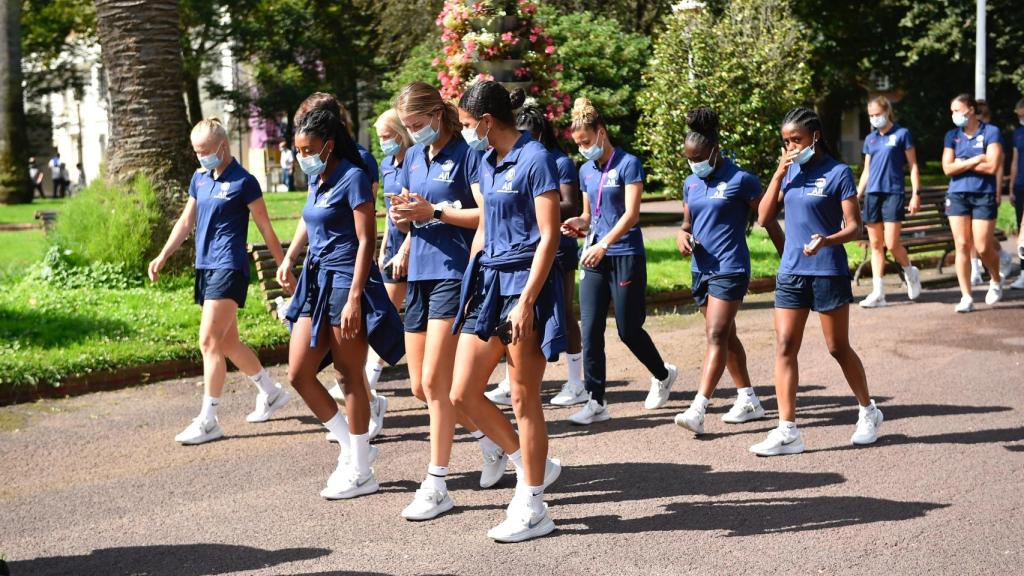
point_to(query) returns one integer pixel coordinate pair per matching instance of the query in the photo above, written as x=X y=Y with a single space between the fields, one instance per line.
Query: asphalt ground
x=96 y=485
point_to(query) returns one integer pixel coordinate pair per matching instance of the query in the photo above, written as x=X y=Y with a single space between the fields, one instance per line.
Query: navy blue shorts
x=221 y=284
x=818 y=293
x=977 y=205
x=335 y=304
x=507 y=304
x=568 y=254
x=389 y=277
x=729 y=286
x=880 y=207
x=430 y=300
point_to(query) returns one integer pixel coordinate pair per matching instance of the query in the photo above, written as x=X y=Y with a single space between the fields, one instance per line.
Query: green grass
x=19 y=250
x=26 y=213
x=47 y=334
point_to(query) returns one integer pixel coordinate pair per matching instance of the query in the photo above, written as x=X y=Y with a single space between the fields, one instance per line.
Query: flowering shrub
x=498 y=40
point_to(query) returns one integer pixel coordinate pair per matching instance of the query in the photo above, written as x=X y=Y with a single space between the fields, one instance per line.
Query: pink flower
x=549 y=50
x=521 y=72
x=534 y=89
x=559 y=67
x=435 y=62
x=533 y=38
x=506 y=37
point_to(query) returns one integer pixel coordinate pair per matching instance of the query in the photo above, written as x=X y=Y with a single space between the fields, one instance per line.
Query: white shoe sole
x=551 y=475
x=580 y=399
x=545 y=527
x=746 y=417
x=283 y=398
x=369 y=488
x=875 y=304
x=856 y=442
x=382 y=408
x=502 y=400
x=489 y=482
x=215 y=434
x=684 y=423
x=784 y=450
x=445 y=505
x=596 y=418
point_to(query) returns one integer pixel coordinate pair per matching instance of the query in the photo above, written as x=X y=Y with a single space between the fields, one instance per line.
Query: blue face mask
x=878 y=122
x=959 y=120
x=426 y=135
x=209 y=163
x=805 y=154
x=313 y=165
x=704 y=168
x=390 y=147
x=476 y=142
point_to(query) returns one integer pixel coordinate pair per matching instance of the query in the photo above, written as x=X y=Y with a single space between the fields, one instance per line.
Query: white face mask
x=878 y=122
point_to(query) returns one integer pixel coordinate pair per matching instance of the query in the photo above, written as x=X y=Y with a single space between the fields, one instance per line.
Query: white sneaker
x=337 y=393
x=552 y=470
x=348 y=484
x=1005 y=261
x=874 y=300
x=966 y=305
x=913 y=283
x=867 y=427
x=1019 y=284
x=267 y=405
x=378 y=406
x=199 y=432
x=344 y=460
x=495 y=463
x=570 y=395
x=660 y=389
x=427 y=504
x=995 y=292
x=522 y=524
x=692 y=419
x=778 y=443
x=502 y=394
x=744 y=410
x=1020 y=252
x=591 y=412
x=976 y=279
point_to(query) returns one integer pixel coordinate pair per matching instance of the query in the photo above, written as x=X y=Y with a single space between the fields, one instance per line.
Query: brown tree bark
x=15 y=187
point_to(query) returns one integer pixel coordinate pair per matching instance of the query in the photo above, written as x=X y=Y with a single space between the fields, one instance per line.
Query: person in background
x=287 y=163
x=55 y=175
x=65 y=180
x=888 y=149
x=36 y=176
x=1005 y=259
x=1017 y=186
x=971 y=157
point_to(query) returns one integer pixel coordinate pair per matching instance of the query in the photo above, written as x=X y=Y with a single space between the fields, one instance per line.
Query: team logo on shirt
x=819 y=188
x=611 y=180
x=324 y=201
x=719 y=191
x=506 y=186
x=446 y=172
x=223 y=194
x=892 y=141
x=979 y=141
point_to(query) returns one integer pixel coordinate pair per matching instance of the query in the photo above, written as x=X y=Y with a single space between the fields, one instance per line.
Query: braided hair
x=532 y=120
x=320 y=115
x=809 y=120
x=490 y=97
x=703 y=127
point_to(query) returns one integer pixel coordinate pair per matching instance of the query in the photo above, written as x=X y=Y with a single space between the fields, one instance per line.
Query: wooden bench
x=926 y=231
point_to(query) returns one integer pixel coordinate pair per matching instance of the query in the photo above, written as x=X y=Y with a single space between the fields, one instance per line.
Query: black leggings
x=621 y=280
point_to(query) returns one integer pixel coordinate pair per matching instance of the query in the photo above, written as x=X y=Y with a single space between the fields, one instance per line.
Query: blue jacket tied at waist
x=549 y=308
x=384 y=329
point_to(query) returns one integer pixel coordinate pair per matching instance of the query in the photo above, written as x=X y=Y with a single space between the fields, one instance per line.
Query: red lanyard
x=600 y=185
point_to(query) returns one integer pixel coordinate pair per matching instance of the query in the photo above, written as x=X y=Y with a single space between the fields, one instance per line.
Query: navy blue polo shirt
x=440 y=251
x=813 y=197
x=624 y=169
x=389 y=182
x=510 y=217
x=1018 y=145
x=888 y=159
x=330 y=224
x=222 y=216
x=371 y=163
x=567 y=174
x=719 y=207
x=964 y=147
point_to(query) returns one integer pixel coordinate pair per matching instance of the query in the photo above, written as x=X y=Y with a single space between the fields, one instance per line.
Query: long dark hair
x=490 y=97
x=532 y=119
x=807 y=118
x=320 y=115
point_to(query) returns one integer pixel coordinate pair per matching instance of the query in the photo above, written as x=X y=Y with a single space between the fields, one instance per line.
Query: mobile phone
x=504 y=332
x=693 y=243
x=576 y=231
x=813 y=245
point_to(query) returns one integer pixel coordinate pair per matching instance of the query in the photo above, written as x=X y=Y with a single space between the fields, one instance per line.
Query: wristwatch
x=437 y=213
x=603 y=244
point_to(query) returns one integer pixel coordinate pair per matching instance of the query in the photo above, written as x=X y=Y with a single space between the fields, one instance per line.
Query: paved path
x=95 y=484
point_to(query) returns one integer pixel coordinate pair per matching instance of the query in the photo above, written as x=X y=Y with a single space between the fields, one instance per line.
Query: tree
x=203 y=29
x=56 y=35
x=14 y=181
x=747 y=64
x=637 y=16
x=149 y=131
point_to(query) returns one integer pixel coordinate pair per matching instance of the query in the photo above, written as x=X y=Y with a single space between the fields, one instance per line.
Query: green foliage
x=415 y=68
x=54 y=33
x=60 y=269
x=746 y=64
x=110 y=223
x=601 y=61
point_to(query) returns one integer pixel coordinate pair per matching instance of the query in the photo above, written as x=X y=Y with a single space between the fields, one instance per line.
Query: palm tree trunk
x=149 y=130
x=15 y=187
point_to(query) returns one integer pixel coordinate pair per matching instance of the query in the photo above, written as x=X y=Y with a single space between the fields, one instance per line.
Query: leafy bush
x=110 y=224
x=747 y=64
x=60 y=269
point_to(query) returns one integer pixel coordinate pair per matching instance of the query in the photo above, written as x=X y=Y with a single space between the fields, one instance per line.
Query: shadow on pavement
x=991 y=436
x=752 y=517
x=169 y=560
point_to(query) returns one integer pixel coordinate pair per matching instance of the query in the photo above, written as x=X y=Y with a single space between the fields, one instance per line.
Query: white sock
x=536 y=494
x=435 y=478
x=975 y=267
x=876 y=283
x=485 y=442
x=263 y=381
x=360 y=445
x=517 y=460
x=869 y=408
x=507 y=382
x=788 y=427
x=747 y=392
x=339 y=427
x=373 y=370
x=575 y=362
x=907 y=270
x=700 y=403
x=209 y=409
